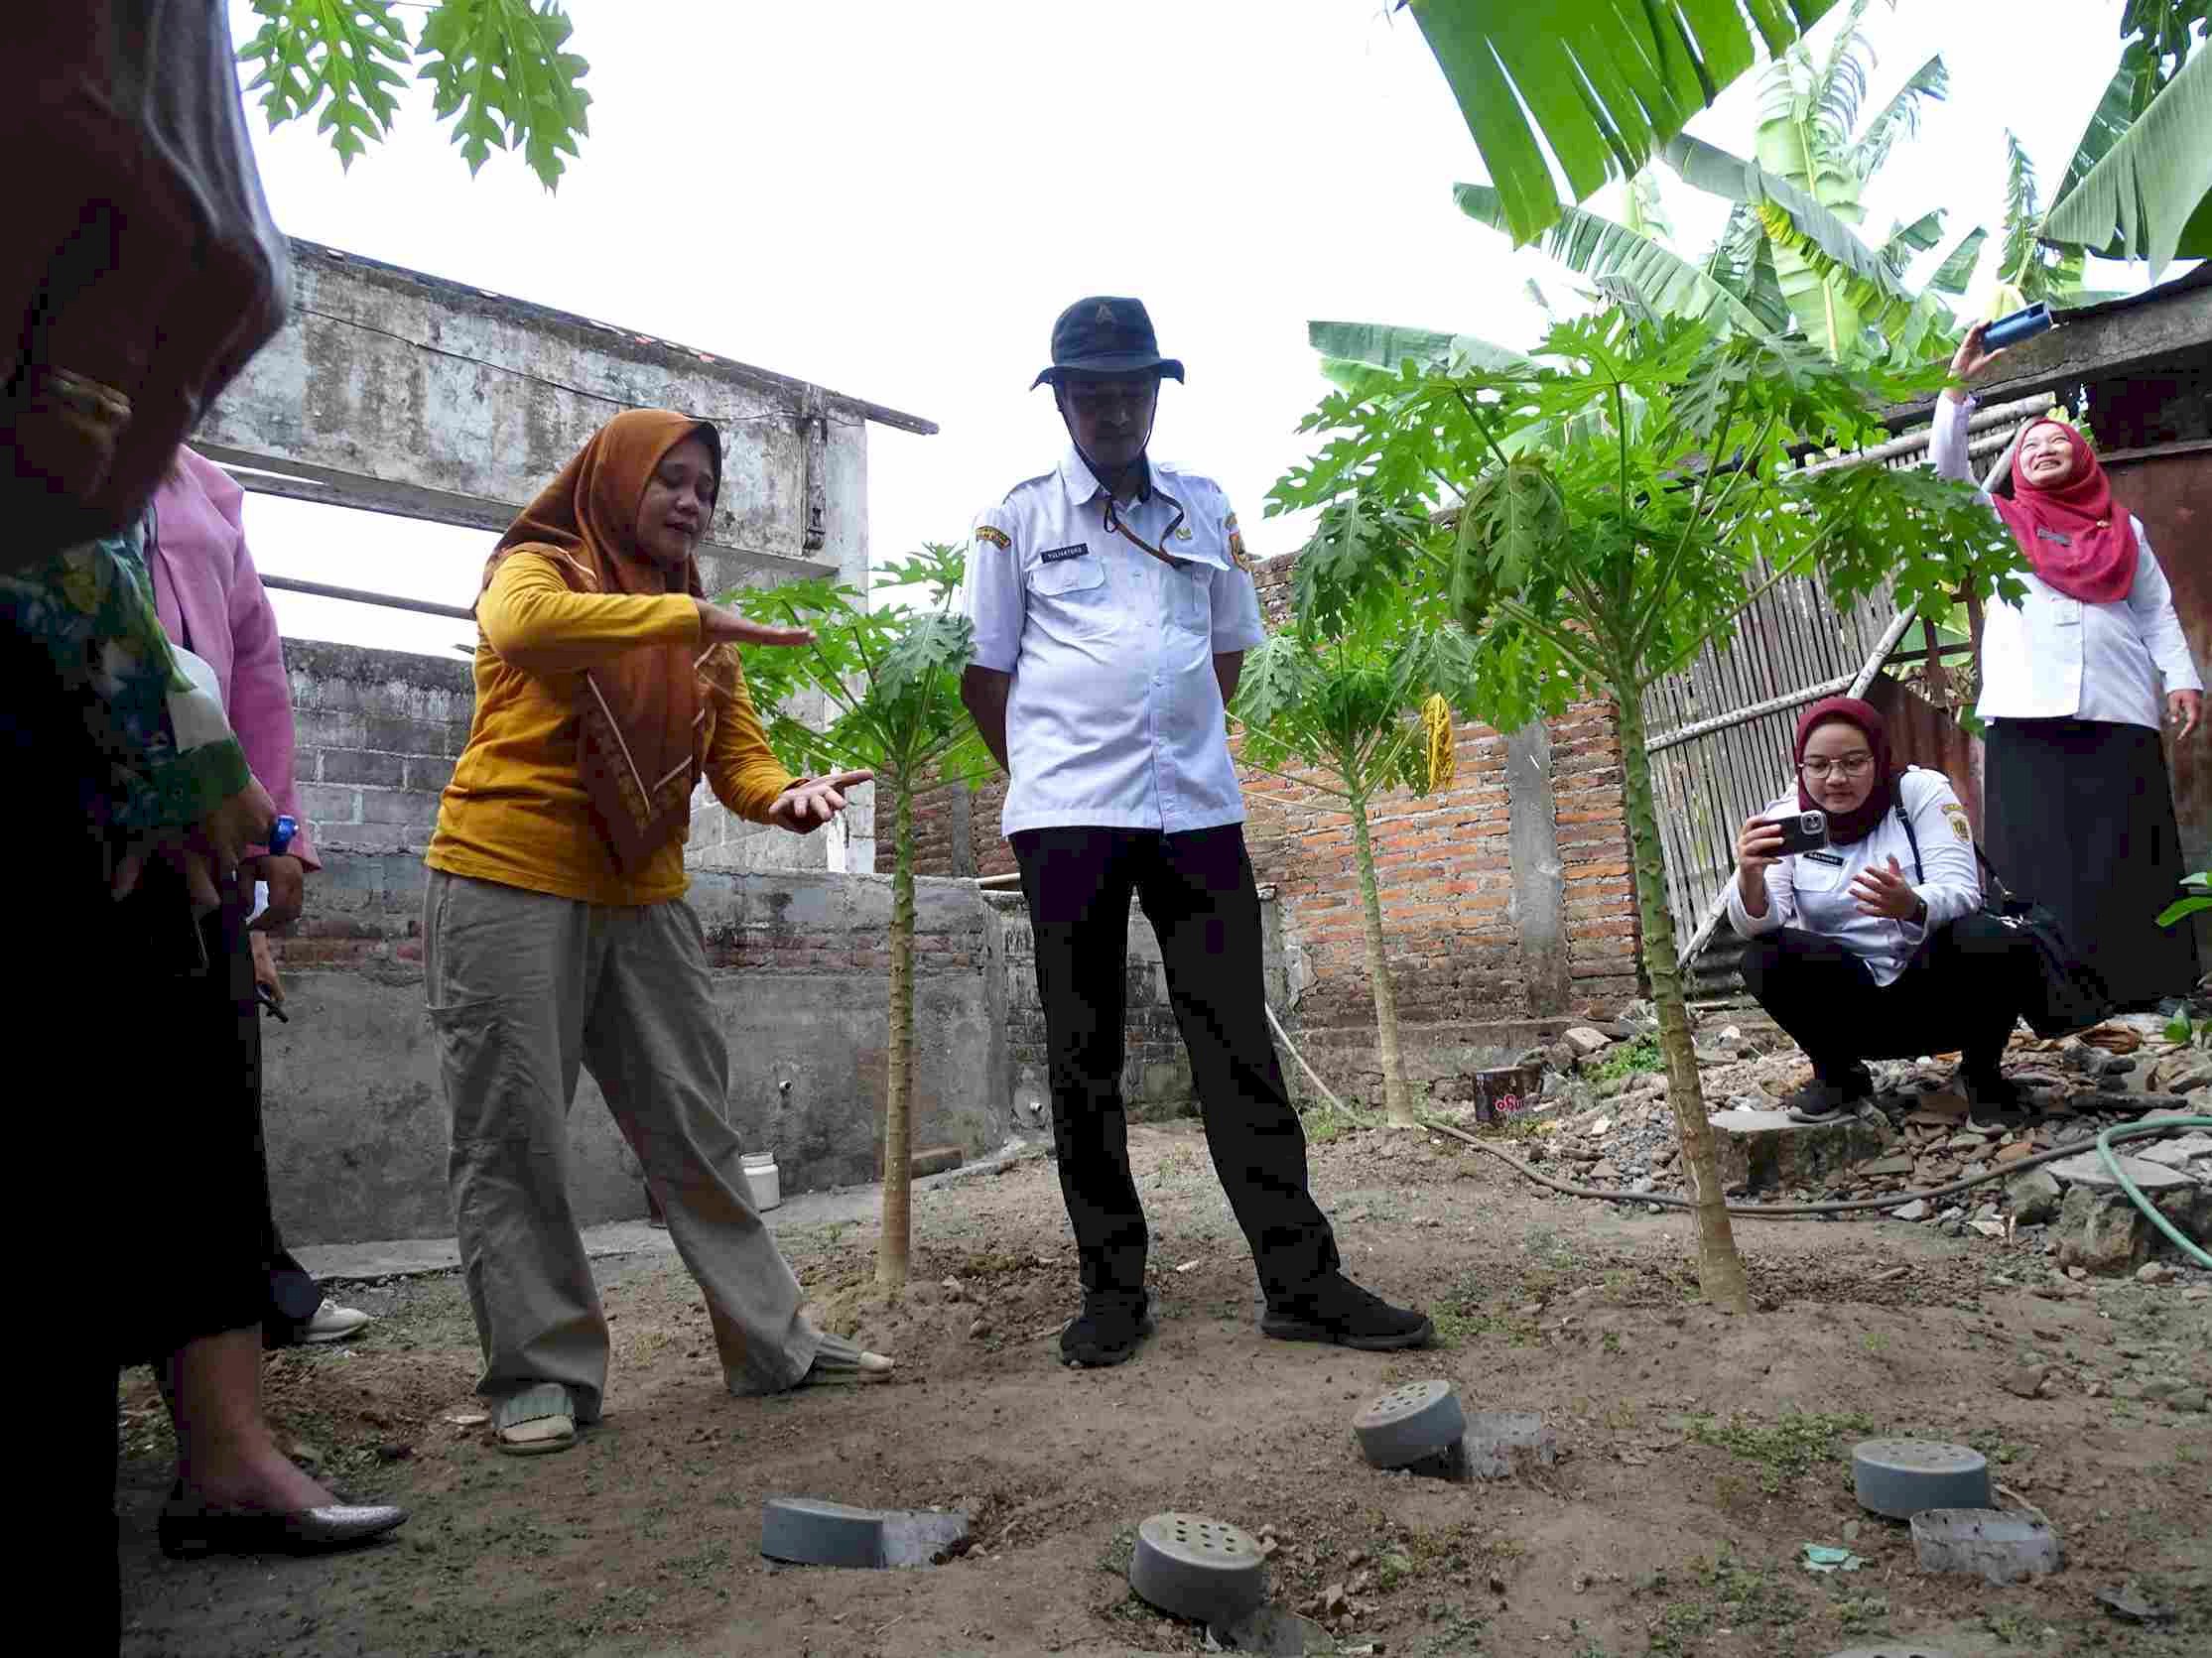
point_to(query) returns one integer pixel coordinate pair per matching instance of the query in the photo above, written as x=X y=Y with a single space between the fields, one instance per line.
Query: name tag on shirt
x=1826 y=857
x=1054 y=556
x=2043 y=533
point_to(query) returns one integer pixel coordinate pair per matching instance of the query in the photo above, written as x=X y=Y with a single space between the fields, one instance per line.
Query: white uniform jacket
x=1812 y=891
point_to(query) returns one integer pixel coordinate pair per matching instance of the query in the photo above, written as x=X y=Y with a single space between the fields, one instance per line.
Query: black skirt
x=2079 y=816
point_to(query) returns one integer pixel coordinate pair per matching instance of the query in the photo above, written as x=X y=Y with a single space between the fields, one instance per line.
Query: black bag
x=2063 y=993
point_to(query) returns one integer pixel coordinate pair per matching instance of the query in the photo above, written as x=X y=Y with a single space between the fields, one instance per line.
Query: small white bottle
x=765 y=1180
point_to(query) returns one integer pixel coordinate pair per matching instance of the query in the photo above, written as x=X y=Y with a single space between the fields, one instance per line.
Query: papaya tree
x=500 y=66
x=891 y=679
x=1592 y=517
x=1361 y=711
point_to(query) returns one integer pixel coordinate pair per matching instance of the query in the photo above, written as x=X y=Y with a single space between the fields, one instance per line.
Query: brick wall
x=378 y=734
x=1505 y=897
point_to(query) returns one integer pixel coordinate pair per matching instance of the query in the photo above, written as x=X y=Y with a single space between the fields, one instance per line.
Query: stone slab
x=2088 y=1169
x=1765 y=1149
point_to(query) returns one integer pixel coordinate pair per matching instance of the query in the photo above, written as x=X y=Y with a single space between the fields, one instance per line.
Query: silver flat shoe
x=189 y=1531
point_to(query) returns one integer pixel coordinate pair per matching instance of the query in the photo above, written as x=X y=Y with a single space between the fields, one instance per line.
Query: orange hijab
x=641 y=742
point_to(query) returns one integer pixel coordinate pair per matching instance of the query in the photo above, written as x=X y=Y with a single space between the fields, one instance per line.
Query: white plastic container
x=765 y=1180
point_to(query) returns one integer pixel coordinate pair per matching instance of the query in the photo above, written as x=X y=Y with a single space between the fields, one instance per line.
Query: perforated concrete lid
x=1412 y=1420
x=1197 y=1568
x=1902 y=1477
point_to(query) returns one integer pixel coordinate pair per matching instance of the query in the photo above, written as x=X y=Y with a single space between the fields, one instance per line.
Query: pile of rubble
x=1603 y=1121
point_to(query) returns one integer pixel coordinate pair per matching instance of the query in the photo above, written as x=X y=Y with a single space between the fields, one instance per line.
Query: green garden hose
x=2112 y=1162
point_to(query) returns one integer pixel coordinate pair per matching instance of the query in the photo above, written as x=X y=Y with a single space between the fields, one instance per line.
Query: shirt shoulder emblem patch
x=1237 y=554
x=1959 y=826
x=996 y=536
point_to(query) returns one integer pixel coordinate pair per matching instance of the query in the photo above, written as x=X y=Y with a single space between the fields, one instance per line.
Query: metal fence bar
x=355 y=596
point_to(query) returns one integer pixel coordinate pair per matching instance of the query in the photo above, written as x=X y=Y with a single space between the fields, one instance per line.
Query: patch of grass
x=1875 y=1342
x=1120 y=1549
x=1861 y=1614
x=1784 y=1449
x=1727 y=1593
x=2014 y=1625
x=1627 y=1057
x=1610 y=1341
x=1324 y=1122
x=1996 y=1447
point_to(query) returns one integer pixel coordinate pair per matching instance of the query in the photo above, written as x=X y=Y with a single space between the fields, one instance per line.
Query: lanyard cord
x=1115 y=525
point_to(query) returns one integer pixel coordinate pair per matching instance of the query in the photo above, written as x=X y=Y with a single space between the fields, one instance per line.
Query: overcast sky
x=894 y=200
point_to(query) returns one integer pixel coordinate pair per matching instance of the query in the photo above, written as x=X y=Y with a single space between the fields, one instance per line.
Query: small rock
x=979 y=1328
x=2188 y=1399
x=1850 y=1529
x=392 y=1451
x=2025 y=1382
x=2034 y=1196
x=1585 y=1040
x=1918 y=1210
x=1600 y=1129
x=952 y=1288
x=2154 y=1272
x=2077 y=1273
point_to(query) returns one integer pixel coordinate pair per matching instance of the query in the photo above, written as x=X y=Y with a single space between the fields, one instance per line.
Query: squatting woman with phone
x=1872 y=943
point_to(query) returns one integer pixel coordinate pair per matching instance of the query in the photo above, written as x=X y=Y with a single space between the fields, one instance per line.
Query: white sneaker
x=333 y=1323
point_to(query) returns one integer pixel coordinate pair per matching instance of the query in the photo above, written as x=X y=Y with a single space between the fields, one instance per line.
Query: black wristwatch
x=1920 y=915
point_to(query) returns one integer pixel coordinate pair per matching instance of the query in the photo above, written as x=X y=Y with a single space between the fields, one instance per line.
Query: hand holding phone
x=1803 y=832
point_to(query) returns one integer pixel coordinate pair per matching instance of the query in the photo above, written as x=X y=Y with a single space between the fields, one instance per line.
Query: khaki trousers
x=523 y=988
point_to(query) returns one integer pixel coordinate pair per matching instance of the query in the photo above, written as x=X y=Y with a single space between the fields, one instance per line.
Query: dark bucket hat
x=1104 y=334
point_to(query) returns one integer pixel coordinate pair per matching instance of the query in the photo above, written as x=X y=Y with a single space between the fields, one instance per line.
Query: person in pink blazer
x=210 y=601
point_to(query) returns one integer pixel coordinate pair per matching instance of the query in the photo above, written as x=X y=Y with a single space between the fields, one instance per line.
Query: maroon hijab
x=2076 y=537
x=1858 y=822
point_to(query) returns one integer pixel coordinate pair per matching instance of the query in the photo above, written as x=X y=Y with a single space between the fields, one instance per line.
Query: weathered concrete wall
x=355 y=1117
x=399 y=392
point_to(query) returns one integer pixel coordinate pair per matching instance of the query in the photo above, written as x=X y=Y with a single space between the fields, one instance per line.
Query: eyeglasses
x=1851 y=766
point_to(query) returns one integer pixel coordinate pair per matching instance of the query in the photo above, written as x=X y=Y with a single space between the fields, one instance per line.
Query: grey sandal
x=837 y=1361
x=538 y=1419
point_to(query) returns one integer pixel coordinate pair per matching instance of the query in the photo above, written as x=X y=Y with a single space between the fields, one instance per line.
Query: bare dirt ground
x=1701 y=1452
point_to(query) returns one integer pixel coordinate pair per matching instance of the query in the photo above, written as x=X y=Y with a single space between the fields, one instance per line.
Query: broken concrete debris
x=1613 y=1129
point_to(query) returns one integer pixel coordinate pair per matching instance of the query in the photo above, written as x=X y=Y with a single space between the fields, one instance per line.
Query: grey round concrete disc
x=1412 y=1420
x=810 y=1533
x=1903 y=1477
x=1998 y=1547
x=1197 y=1568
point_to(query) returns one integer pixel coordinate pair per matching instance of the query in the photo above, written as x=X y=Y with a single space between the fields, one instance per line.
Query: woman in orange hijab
x=556 y=933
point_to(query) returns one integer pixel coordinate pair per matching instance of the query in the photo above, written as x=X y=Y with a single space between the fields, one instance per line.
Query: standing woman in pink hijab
x=2079 y=811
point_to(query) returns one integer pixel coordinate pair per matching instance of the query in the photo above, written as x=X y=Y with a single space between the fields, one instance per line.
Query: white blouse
x=1812 y=891
x=2051 y=657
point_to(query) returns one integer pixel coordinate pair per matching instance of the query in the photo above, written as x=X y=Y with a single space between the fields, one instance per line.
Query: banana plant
x=1599 y=84
x=1790 y=257
x=2143 y=189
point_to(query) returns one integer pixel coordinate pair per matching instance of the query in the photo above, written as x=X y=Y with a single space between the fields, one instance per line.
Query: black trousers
x=1961 y=992
x=1197 y=890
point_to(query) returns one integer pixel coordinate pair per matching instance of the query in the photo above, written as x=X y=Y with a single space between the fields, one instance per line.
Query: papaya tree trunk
x=898 y=1132
x=1719 y=1270
x=1398 y=1106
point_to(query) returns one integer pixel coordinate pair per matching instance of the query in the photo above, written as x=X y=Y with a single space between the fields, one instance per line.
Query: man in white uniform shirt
x=1113 y=606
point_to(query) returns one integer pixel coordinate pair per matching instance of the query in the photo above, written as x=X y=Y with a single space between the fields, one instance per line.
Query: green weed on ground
x=1640 y=1055
x=1784 y=1447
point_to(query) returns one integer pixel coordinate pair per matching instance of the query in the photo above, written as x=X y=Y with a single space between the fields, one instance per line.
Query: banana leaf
x=1601 y=84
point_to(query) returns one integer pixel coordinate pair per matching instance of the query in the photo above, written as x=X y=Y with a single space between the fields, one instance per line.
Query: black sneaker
x=1108 y=1330
x=1335 y=1309
x=1824 y=1101
x=1992 y=1097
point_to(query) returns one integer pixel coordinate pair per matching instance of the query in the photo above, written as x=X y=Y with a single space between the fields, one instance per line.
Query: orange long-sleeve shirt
x=515 y=811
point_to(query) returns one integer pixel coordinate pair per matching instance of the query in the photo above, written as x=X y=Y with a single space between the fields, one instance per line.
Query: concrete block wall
x=355 y=1116
x=378 y=734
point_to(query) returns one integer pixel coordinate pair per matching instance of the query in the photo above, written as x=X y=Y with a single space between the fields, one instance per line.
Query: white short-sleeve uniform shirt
x=1114 y=718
